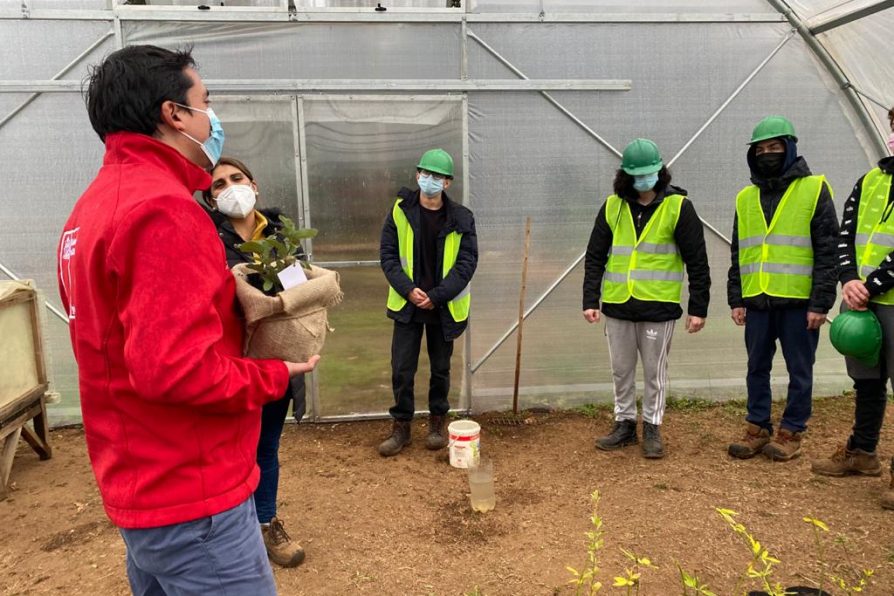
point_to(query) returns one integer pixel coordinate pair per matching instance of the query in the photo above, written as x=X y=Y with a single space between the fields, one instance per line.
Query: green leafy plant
x=277 y=252
x=692 y=585
x=585 y=580
x=761 y=565
x=862 y=576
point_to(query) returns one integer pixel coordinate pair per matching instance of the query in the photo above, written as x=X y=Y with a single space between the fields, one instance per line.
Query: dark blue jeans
x=789 y=326
x=221 y=554
x=273 y=418
x=405 y=345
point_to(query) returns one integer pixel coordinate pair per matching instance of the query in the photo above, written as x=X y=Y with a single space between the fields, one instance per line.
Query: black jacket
x=230 y=238
x=823 y=234
x=690 y=239
x=882 y=279
x=460 y=220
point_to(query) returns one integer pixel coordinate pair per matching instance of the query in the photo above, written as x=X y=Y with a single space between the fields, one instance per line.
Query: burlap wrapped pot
x=291 y=325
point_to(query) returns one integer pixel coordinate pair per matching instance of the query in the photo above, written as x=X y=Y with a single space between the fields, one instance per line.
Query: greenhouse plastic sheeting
x=337 y=160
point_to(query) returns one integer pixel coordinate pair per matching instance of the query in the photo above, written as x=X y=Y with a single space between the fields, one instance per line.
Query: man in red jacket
x=171 y=409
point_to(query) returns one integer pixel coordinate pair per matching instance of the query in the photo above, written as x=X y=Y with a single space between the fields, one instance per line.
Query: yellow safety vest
x=459 y=305
x=649 y=267
x=777 y=260
x=875 y=227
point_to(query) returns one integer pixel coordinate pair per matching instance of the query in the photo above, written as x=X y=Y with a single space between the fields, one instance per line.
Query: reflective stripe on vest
x=649 y=267
x=777 y=260
x=875 y=227
x=459 y=305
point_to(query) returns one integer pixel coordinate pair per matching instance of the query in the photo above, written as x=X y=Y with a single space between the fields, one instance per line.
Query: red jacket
x=171 y=409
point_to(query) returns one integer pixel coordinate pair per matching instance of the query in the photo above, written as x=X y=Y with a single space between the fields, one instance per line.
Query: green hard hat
x=437 y=161
x=641 y=157
x=772 y=127
x=857 y=333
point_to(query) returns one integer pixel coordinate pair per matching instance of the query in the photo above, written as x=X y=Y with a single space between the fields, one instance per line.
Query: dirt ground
x=404 y=526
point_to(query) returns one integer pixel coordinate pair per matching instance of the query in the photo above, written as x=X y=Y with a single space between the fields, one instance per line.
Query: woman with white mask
x=232 y=200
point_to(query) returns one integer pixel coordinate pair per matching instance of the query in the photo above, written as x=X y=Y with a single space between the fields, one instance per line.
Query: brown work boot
x=848 y=461
x=755 y=439
x=437 y=438
x=888 y=495
x=400 y=438
x=280 y=548
x=785 y=445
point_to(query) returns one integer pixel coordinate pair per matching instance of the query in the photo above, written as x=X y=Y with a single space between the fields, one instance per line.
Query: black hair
x=623 y=185
x=125 y=91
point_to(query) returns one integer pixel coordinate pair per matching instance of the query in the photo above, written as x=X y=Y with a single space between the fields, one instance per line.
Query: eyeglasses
x=431 y=174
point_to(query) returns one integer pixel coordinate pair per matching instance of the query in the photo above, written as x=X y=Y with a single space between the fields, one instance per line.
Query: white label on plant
x=292 y=276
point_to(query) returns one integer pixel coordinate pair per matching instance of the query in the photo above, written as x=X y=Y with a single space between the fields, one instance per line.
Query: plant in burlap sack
x=275 y=253
x=286 y=324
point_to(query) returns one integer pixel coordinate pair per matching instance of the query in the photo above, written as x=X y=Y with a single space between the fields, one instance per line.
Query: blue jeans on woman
x=273 y=418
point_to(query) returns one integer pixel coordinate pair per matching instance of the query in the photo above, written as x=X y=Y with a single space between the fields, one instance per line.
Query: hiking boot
x=848 y=461
x=751 y=444
x=437 y=438
x=623 y=434
x=785 y=445
x=280 y=548
x=888 y=495
x=400 y=438
x=653 y=447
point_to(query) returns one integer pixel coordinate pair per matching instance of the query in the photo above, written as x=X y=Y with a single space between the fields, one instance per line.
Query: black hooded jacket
x=458 y=219
x=690 y=239
x=823 y=234
x=882 y=279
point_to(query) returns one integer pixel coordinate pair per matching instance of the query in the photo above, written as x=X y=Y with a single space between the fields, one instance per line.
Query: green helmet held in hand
x=437 y=161
x=857 y=333
x=773 y=127
x=641 y=157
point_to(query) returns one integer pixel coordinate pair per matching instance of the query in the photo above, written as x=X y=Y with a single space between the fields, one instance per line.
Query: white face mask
x=236 y=201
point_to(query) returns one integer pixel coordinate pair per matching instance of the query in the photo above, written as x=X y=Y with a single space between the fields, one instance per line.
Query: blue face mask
x=213 y=145
x=645 y=183
x=430 y=186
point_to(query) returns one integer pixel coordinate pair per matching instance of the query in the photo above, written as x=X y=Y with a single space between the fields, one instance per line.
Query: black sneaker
x=653 y=446
x=623 y=434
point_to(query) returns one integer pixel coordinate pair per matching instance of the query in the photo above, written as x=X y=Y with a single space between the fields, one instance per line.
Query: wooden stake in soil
x=521 y=315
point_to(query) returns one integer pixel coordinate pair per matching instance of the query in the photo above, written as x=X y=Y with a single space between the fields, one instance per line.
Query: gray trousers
x=651 y=343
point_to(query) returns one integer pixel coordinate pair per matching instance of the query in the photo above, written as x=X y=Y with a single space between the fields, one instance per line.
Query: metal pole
x=58 y=76
x=548 y=97
x=835 y=71
x=466 y=393
x=735 y=93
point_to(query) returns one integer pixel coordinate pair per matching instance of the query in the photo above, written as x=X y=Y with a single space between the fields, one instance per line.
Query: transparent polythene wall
x=360 y=150
x=542 y=164
x=526 y=158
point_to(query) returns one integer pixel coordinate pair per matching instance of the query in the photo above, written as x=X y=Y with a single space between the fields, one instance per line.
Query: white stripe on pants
x=651 y=342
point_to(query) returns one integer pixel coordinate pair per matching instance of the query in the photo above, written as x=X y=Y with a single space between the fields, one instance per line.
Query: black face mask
x=769 y=165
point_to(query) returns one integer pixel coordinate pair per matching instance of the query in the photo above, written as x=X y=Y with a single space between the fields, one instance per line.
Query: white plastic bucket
x=465 y=443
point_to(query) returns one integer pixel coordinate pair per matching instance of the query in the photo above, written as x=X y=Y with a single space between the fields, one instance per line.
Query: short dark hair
x=891 y=116
x=226 y=161
x=623 y=185
x=125 y=91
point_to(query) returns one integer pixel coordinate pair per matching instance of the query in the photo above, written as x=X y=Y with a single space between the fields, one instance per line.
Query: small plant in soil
x=275 y=253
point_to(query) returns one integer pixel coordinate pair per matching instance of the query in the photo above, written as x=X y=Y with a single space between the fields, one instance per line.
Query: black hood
x=798 y=169
x=887 y=164
x=791 y=156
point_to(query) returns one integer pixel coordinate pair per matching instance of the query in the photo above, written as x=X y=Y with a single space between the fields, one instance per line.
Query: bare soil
x=404 y=526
